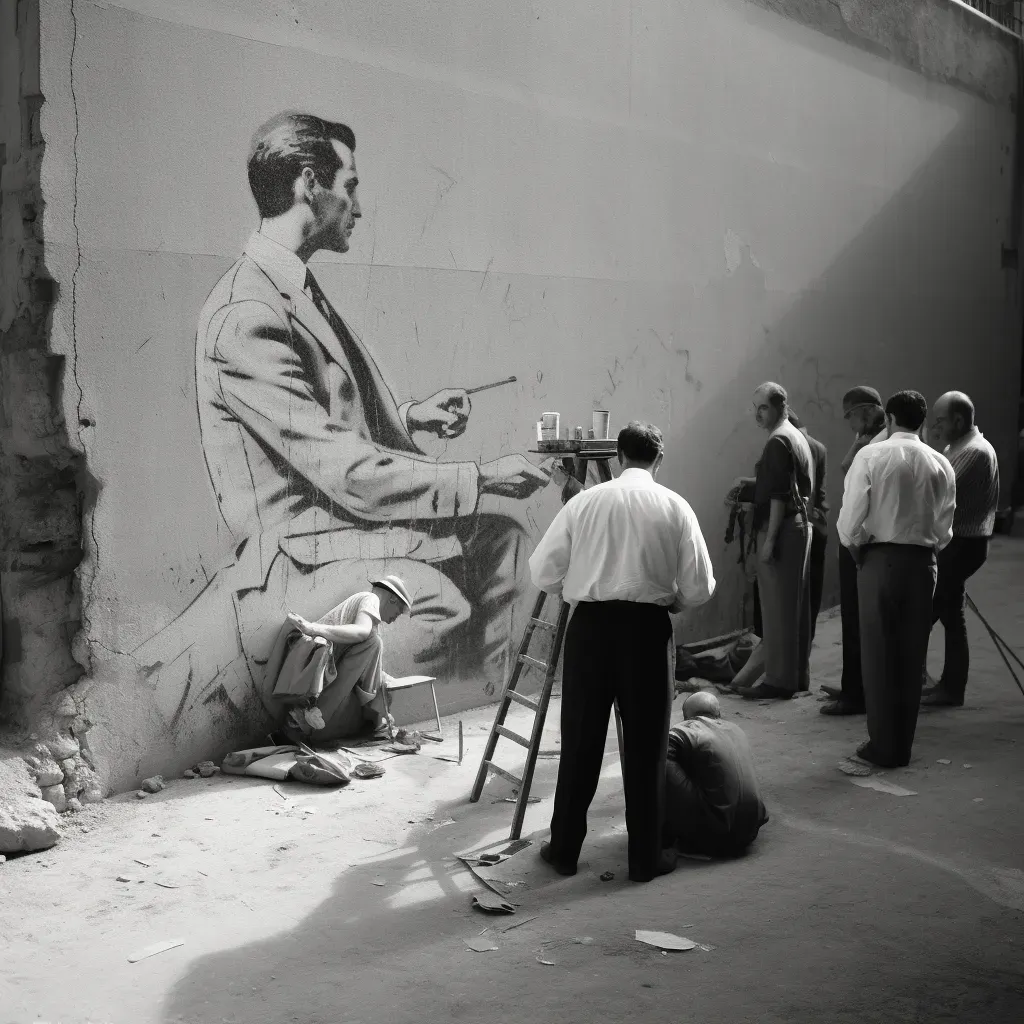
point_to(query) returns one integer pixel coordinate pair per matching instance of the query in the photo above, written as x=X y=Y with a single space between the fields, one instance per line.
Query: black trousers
x=816 y=575
x=958 y=562
x=614 y=651
x=852 y=680
x=895 y=589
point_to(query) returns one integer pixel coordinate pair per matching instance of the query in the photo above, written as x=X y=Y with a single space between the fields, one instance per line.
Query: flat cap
x=860 y=396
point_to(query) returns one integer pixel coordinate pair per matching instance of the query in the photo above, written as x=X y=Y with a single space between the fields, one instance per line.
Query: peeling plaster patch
x=734 y=246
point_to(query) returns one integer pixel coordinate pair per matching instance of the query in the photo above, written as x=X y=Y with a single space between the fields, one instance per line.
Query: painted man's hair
x=640 y=442
x=908 y=408
x=282 y=147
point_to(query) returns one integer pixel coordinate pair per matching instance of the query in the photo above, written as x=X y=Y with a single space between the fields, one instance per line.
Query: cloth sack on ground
x=290 y=762
x=716 y=666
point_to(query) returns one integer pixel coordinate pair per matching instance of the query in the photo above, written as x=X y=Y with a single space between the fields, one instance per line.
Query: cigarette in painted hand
x=487 y=387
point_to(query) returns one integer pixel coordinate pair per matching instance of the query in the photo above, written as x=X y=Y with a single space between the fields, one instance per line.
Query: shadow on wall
x=880 y=314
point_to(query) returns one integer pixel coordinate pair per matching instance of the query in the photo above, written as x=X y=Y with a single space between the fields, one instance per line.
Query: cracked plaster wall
x=648 y=207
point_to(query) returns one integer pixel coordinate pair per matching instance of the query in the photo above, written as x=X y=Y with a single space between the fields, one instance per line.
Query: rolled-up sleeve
x=550 y=560
x=946 y=507
x=856 y=502
x=695 y=578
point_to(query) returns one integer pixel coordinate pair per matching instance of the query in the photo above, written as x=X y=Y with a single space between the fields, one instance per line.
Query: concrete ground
x=854 y=905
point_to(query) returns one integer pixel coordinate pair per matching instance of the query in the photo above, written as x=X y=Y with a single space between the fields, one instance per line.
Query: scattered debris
x=367 y=770
x=283 y=796
x=479 y=944
x=979 y=799
x=159 y=947
x=943 y=760
x=206 y=769
x=154 y=784
x=968 y=765
x=402 y=748
x=850 y=767
x=74 y=805
x=493 y=905
x=166 y=885
x=546 y=963
x=607 y=876
x=125 y=878
x=665 y=940
x=519 y=924
x=142 y=862
x=141 y=794
x=883 y=787
x=442 y=824
x=189 y=774
x=307 y=810
x=378 y=881
x=584 y=940
x=515 y=800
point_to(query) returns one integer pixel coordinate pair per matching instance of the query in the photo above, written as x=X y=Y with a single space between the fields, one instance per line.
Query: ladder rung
x=544 y=624
x=521 y=698
x=514 y=736
x=527 y=660
x=504 y=774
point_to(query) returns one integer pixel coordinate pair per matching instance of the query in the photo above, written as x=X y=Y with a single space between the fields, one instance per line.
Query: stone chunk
x=189 y=774
x=93 y=795
x=27 y=824
x=154 y=784
x=55 y=795
x=61 y=746
x=47 y=773
x=74 y=805
x=207 y=770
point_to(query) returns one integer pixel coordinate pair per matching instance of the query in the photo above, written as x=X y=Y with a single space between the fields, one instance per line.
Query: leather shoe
x=562 y=869
x=835 y=692
x=940 y=698
x=764 y=691
x=665 y=866
x=841 y=707
x=866 y=753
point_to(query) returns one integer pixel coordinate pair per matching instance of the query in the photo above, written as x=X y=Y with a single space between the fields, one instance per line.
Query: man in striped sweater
x=976 y=468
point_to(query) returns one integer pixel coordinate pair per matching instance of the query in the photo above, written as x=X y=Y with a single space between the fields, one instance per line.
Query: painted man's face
x=336 y=206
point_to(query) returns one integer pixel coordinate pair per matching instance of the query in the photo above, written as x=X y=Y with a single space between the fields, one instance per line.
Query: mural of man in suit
x=313 y=462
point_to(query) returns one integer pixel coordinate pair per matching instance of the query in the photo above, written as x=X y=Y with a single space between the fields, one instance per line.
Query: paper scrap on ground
x=158 y=947
x=883 y=787
x=493 y=905
x=664 y=940
x=546 y=963
x=378 y=881
x=851 y=767
x=943 y=760
x=479 y=944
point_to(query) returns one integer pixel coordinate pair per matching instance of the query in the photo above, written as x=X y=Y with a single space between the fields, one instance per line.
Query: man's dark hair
x=908 y=408
x=958 y=404
x=640 y=442
x=776 y=395
x=282 y=147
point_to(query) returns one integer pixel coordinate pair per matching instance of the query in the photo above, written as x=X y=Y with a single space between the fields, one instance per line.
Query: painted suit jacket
x=307 y=450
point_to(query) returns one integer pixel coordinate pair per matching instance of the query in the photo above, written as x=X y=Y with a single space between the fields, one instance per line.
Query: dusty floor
x=854 y=906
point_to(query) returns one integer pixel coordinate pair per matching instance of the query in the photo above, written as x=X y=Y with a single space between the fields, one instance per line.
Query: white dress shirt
x=629 y=539
x=898 y=491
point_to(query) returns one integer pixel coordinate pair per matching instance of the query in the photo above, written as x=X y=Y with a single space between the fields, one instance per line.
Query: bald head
x=701 y=705
x=952 y=416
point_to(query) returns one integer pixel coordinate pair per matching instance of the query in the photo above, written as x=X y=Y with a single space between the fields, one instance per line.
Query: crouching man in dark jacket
x=712 y=802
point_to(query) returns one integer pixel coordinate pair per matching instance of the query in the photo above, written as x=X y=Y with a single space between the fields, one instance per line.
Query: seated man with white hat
x=355 y=698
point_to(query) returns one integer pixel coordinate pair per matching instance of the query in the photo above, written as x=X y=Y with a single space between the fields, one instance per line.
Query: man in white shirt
x=624 y=554
x=897 y=515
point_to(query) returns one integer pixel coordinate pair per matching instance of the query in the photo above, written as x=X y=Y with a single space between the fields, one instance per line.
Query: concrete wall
x=648 y=207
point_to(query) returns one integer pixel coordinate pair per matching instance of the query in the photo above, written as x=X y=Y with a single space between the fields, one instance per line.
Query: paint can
x=549 y=426
x=601 y=424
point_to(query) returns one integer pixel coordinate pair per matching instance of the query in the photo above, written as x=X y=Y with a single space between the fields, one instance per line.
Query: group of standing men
x=914 y=526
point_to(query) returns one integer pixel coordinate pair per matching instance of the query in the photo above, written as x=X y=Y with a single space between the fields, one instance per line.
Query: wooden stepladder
x=538 y=705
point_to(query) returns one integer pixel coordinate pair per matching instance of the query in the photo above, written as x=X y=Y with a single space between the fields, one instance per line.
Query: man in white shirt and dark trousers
x=976 y=468
x=624 y=554
x=897 y=515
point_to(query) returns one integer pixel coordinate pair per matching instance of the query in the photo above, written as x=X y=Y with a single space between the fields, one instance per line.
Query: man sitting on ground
x=356 y=698
x=712 y=802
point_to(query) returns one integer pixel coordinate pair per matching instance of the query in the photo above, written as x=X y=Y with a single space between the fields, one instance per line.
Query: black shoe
x=841 y=707
x=867 y=754
x=562 y=869
x=763 y=691
x=835 y=692
x=665 y=866
x=940 y=698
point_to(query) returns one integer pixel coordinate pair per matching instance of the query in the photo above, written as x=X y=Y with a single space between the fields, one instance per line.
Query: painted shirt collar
x=274 y=257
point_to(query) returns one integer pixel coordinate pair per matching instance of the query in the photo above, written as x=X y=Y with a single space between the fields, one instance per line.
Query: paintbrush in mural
x=487 y=387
